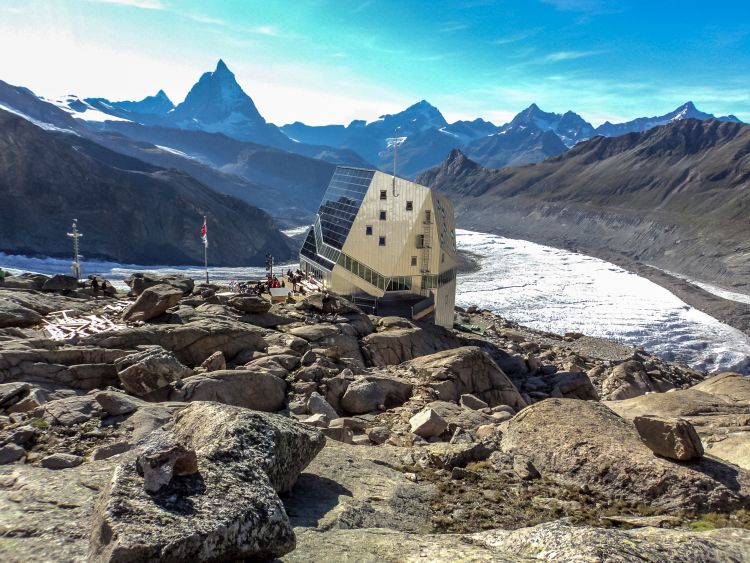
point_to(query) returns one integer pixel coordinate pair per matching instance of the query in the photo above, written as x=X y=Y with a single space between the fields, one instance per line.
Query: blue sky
x=330 y=61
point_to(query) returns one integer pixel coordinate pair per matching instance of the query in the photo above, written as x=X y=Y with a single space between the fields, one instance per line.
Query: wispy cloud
x=575 y=5
x=200 y=18
x=142 y=4
x=568 y=56
x=362 y=7
x=453 y=27
x=515 y=37
x=265 y=30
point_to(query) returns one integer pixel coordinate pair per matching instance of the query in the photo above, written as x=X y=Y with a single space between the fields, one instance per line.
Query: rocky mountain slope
x=287 y=185
x=674 y=196
x=222 y=427
x=130 y=211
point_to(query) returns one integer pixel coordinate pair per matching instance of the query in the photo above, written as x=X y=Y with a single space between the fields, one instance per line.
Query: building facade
x=387 y=238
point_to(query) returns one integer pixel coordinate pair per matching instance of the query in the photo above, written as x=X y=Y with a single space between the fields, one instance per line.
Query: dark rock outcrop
x=229 y=510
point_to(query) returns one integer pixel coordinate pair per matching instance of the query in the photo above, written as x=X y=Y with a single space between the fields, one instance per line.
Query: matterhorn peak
x=218 y=103
x=221 y=66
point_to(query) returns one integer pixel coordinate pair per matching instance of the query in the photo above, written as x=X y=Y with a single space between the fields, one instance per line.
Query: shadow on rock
x=312 y=498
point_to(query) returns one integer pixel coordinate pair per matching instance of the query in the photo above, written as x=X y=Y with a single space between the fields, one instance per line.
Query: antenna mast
x=76 y=266
x=395 y=142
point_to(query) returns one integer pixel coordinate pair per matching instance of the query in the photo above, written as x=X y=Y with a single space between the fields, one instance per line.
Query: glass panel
x=341 y=203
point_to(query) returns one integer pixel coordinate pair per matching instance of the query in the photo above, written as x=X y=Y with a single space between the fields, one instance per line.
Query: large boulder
x=427 y=423
x=459 y=417
x=397 y=345
x=573 y=385
x=11 y=393
x=152 y=303
x=16 y=315
x=249 y=304
x=370 y=392
x=314 y=303
x=255 y=390
x=139 y=282
x=629 y=379
x=149 y=370
x=583 y=443
x=673 y=438
x=191 y=342
x=70 y=410
x=316 y=404
x=716 y=407
x=229 y=510
x=27 y=281
x=729 y=386
x=60 y=282
x=339 y=341
x=467 y=370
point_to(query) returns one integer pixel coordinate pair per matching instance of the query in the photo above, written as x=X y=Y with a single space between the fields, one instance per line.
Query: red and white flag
x=204 y=236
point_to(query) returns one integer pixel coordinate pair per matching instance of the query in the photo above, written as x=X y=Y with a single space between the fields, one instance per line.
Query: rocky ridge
x=197 y=432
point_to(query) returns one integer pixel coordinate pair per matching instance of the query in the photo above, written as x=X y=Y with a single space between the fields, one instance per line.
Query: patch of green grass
x=39 y=423
x=712 y=520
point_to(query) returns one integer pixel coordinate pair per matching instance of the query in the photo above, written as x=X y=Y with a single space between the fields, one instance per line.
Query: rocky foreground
x=204 y=426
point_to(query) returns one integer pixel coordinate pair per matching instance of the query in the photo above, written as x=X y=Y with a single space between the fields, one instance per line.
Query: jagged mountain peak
x=454 y=166
x=417 y=117
x=218 y=103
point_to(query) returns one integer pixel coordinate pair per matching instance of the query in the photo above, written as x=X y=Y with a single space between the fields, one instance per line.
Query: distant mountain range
x=218 y=136
x=217 y=104
x=675 y=196
x=531 y=136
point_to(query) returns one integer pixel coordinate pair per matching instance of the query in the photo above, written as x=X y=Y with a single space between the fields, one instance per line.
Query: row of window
x=396 y=283
x=360 y=270
x=438 y=280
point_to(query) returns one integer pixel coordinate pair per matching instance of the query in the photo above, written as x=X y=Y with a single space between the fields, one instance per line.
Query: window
x=368 y=230
x=383 y=194
x=420 y=241
x=409 y=205
x=413 y=260
x=428 y=216
x=381 y=241
x=442 y=258
x=382 y=215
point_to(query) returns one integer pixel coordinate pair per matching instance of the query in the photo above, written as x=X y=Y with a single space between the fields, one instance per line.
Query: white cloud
x=575 y=5
x=568 y=56
x=143 y=4
x=265 y=30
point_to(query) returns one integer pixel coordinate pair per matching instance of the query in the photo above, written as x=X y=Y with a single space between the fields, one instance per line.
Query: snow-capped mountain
x=467 y=131
x=157 y=105
x=515 y=145
x=685 y=111
x=218 y=104
x=82 y=109
x=570 y=127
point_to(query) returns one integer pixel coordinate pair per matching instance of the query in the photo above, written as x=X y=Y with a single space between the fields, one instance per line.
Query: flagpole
x=205 y=251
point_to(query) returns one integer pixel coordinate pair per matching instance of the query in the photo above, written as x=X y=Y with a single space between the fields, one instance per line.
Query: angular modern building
x=387 y=241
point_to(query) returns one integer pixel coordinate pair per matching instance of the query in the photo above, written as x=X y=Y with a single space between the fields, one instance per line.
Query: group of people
x=293 y=278
x=96 y=287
